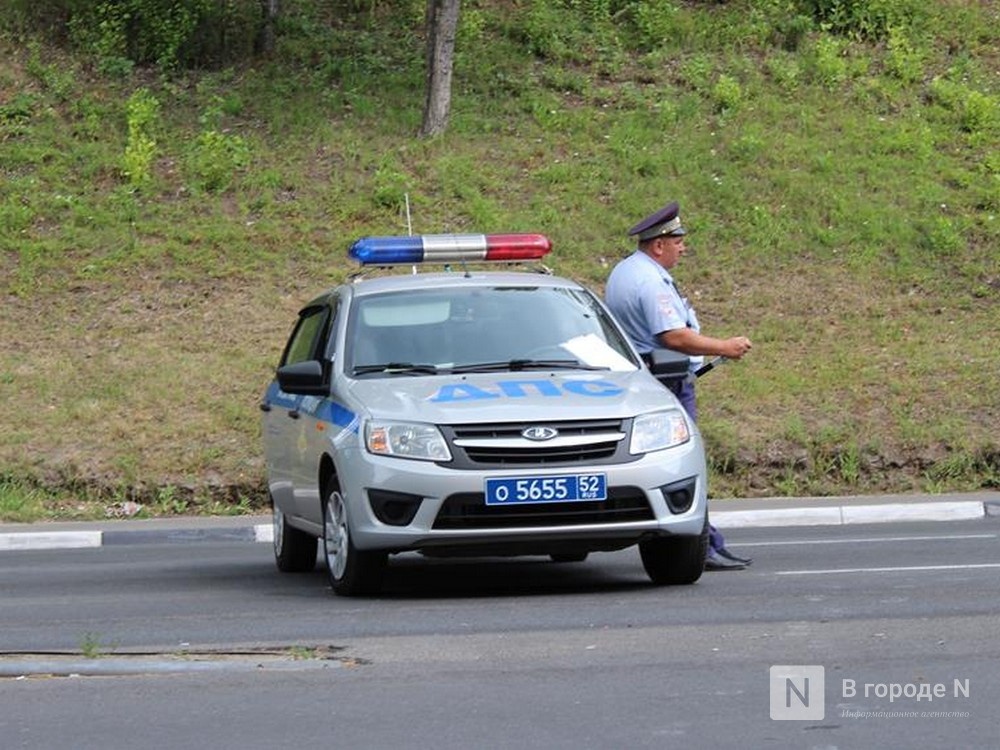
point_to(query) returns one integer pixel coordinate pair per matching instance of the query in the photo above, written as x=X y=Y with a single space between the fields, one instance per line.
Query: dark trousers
x=684 y=390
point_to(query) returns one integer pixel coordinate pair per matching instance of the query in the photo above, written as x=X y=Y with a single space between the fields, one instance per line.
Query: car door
x=283 y=428
x=305 y=441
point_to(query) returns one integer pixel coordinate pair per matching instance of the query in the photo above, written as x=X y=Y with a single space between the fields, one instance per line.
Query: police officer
x=647 y=302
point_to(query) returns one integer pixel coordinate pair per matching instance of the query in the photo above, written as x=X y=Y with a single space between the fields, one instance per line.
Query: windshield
x=482 y=329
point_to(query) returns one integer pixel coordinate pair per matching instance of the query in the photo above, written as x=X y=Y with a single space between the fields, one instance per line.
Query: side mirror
x=302 y=379
x=668 y=366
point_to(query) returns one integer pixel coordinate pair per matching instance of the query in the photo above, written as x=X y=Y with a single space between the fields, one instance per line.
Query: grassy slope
x=843 y=217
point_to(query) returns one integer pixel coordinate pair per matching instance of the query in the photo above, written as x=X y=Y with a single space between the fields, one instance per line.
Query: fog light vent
x=680 y=495
x=394 y=508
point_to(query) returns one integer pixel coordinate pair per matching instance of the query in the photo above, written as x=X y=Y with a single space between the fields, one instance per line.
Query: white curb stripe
x=738 y=519
x=920 y=512
x=50 y=540
x=847 y=514
x=910 y=569
x=869 y=540
x=263 y=532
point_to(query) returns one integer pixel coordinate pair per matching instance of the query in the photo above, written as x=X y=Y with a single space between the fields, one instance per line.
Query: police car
x=471 y=412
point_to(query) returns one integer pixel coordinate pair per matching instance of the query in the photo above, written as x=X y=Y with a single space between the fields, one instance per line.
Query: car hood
x=512 y=396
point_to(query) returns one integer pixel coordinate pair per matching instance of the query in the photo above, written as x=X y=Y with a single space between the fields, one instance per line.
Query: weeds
x=92 y=647
x=21 y=502
x=214 y=160
x=168 y=502
x=726 y=94
x=216 y=156
x=829 y=65
x=143 y=111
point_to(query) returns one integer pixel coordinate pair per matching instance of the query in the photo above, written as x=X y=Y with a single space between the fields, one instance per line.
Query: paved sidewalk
x=726 y=514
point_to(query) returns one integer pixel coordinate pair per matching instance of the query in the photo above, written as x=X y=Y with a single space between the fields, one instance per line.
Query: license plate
x=568 y=488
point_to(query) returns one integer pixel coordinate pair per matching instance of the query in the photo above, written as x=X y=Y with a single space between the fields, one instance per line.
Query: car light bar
x=449 y=248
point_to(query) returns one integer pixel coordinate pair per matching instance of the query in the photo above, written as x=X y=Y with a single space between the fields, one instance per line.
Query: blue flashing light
x=388 y=250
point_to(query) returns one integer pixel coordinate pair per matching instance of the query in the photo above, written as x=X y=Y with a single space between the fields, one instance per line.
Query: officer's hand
x=736 y=347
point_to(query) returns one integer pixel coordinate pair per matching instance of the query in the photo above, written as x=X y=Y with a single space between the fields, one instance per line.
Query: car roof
x=455 y=279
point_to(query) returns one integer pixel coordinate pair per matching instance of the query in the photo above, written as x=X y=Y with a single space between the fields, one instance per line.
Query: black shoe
x=735 y=558
x=716 y=562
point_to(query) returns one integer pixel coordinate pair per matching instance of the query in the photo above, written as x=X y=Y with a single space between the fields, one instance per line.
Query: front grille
x=469 y=511
x=602 y=441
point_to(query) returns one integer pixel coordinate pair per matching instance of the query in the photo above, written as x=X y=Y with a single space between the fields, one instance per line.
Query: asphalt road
x=511 y=653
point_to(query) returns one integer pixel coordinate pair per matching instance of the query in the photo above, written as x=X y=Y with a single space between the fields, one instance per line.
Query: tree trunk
x=442 y=25
x=271 y=9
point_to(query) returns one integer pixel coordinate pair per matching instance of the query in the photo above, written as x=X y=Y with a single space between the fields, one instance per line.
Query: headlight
x=658 y=431
x=406 y=440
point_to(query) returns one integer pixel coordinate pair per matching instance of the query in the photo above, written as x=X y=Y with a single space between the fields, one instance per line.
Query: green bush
x=655 y=21
x=974 y=111
x=784 y=70
x=903 y=60
x=829 y=67
x=789 y=29
x=19 y=109
x=980 y=112
x=390 y=185
x=726 y=93
x=215 y=158
x=940 y=236
x=143 y=111
x=14 y=217
x=866 y=19
x=166 y=33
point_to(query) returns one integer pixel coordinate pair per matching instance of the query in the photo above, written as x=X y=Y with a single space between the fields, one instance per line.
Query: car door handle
x=294 y=413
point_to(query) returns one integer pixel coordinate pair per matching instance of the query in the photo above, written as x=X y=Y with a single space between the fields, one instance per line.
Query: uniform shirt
x=642 y=295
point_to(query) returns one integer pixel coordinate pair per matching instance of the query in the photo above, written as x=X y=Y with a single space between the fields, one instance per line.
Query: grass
x=843 y=199
x=92 y=647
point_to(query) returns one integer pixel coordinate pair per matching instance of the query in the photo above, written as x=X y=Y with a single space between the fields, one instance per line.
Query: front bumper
x=449 y=515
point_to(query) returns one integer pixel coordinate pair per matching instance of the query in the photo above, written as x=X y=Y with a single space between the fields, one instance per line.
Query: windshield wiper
x=515 y=365
x=397 y=368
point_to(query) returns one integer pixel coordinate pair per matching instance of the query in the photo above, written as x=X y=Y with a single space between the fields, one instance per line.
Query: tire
x=351 y=572
x=569 y=557
x=294 y=550
x=675 y=560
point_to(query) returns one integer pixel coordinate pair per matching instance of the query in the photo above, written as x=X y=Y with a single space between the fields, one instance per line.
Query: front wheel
x=350 y=571
x=294 y=549
x=675 y=560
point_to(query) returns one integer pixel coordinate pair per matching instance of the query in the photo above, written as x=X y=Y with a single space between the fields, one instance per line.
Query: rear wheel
x=294 y=550
x=351 y=571
x=675 y=560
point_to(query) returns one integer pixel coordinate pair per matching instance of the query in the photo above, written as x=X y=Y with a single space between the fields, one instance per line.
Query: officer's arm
x=687 y=341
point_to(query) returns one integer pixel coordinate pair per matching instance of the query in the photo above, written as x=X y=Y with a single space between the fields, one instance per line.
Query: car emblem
x=539 y=433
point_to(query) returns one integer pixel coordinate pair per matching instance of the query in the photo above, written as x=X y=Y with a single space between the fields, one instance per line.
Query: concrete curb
x=31 y=539
x=127 y=667
x=767 y=512
x=846 y=514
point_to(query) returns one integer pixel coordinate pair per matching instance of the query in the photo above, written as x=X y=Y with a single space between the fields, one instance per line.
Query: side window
x=305 y=340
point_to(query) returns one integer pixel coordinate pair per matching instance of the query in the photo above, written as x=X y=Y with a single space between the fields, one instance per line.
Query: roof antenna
x=409 y=225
